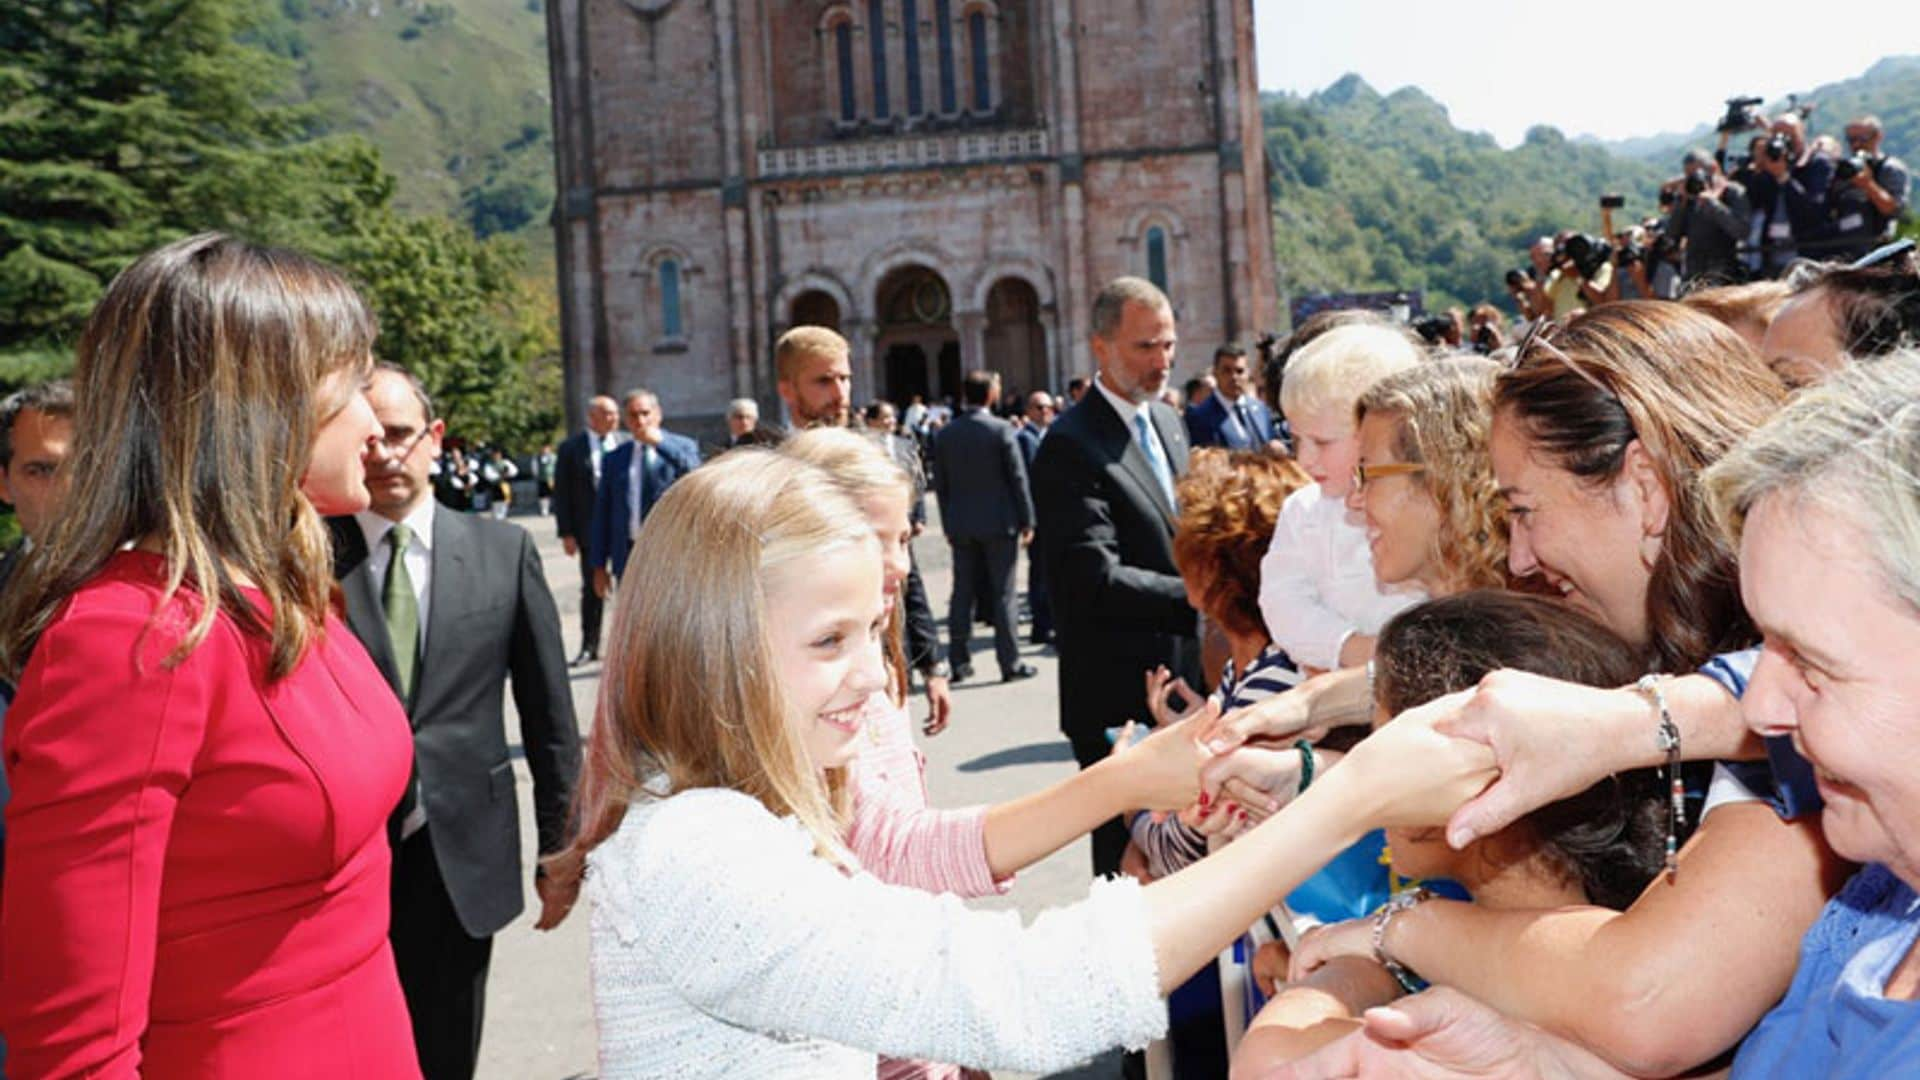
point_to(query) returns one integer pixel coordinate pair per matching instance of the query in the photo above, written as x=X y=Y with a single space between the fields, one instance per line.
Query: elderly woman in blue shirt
x=1824 y=502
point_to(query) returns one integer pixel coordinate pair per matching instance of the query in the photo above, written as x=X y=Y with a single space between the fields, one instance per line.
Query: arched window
x=843 y=58
x=877 y=40
x=1157 y=257
x=977 y=49
x=949 y=71
x=671 y=327
x=910 y=52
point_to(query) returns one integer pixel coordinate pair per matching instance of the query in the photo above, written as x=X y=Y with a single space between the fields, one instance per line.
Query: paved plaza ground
x=1003 y=742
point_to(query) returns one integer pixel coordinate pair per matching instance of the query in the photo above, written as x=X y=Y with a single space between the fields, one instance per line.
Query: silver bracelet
x=1381 y=918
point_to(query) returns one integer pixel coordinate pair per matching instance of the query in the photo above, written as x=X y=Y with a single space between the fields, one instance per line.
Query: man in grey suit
x=980 y=478
x=451 y=606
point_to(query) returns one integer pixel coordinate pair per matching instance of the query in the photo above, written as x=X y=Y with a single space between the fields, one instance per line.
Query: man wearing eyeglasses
x=451 y=606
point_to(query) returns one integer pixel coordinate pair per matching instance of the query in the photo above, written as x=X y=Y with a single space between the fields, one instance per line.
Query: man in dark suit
x=451 y=606
x=1232 y=416
x=987 y=513
x=1041 y=411
x=631 y=480
x=576 y=475
x=1103 y=485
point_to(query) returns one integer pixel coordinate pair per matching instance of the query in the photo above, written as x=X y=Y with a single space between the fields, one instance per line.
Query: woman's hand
x=1282 y=716
x=1551 y=739
x=1163 y=770
x=1351 y=937
x=1439 y=1035
x=1409 y=774
x=1161 y=685
x=1261 y=779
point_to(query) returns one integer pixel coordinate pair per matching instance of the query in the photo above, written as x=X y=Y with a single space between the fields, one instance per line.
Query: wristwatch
x=939 y=669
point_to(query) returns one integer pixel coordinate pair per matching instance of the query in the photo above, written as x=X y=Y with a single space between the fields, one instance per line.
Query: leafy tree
x=125 y=124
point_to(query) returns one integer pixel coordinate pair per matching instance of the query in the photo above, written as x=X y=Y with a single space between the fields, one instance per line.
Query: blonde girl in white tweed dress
x=734 y=935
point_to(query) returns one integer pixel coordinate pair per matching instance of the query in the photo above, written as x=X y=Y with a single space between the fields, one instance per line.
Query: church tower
x=945 y=182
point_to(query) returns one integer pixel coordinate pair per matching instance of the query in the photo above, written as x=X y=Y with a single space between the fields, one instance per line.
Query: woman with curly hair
x=1424 y=484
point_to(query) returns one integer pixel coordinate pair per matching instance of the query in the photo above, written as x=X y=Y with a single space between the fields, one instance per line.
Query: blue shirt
x=1789 y=775
x=1835 y=1022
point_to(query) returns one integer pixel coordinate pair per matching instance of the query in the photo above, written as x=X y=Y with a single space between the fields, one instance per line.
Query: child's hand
x=1160 y=688
x=1270 y=966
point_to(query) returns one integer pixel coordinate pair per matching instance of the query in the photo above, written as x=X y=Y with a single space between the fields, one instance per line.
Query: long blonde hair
x=864 y=471
x=197 y=397
x=690 y=698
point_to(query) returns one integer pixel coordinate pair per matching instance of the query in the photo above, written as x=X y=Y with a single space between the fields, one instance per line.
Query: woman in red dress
x=203 y=758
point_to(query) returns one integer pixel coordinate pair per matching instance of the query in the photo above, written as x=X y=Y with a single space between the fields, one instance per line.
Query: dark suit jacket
x=1210 y=424
x=1106 y=536
x=573 y=488
x=490 y=617
x=608 y=540
x=980 y=478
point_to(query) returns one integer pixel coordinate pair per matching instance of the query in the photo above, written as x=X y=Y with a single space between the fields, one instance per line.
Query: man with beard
x=1103 y=492
x=815 y=374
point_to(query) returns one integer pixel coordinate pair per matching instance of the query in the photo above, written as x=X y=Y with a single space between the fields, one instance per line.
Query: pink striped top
x=901 y=840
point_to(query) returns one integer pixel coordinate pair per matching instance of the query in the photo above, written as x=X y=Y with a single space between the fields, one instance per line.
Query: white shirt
x=419 y=553
x=1316 y=581
x=1128 y=410
x=599 y=446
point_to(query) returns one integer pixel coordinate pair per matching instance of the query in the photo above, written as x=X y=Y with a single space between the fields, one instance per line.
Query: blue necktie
x=1151 y=446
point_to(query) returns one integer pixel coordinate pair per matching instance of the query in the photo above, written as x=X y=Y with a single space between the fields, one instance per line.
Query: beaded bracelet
x=1306 y=763
x=1667 y=738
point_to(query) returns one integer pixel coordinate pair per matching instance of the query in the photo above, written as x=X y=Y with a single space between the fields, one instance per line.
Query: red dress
x=197 y=863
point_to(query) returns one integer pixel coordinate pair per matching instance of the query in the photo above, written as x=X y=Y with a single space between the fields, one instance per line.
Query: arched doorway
x=816 y=308
x=918 y=349
x=1014 y=344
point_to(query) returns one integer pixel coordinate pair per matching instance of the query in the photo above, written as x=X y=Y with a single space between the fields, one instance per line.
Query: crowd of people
x=1544 y=713
x=1741 y=213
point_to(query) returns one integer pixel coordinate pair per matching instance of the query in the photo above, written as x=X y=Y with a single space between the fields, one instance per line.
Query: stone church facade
x=945 y=182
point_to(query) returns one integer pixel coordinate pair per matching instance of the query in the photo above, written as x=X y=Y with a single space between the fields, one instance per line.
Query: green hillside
x=454 y=93
x=1375 y=192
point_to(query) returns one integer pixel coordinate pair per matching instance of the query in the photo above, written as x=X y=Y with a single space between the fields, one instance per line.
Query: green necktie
x=403 y=610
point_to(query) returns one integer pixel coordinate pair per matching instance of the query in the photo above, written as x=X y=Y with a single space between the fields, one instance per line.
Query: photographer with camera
x=1711 y=214
x=1789 y=194
x=1868 y=194
x=1582 y=273
x=1527 y=286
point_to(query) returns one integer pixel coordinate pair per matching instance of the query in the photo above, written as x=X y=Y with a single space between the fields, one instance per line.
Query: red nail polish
x=1204 y=801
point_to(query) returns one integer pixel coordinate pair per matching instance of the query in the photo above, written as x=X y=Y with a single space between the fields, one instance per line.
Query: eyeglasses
x=399 y=448
x=1364 y=473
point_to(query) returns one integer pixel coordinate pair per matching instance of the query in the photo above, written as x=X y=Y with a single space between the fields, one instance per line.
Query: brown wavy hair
x=1229 y=502
x=1688 y=388
x=1443 y=411
x=197 y=388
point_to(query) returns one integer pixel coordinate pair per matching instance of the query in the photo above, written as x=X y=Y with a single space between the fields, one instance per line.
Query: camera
x=1433 y=328
x=1779 y=147
x=1485 y=339
x=1612 y=202
x=1517 y=280
x=1587 y=253
x=1851 y=166
x=1668 y=198
x=1742 y=113
x=1697 y=180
